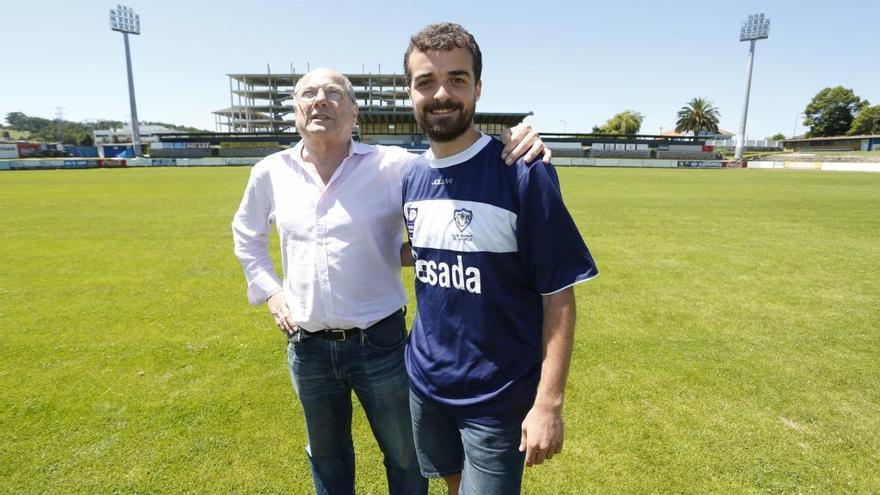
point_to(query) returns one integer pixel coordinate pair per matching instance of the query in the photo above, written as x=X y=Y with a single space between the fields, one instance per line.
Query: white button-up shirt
x=340 y=243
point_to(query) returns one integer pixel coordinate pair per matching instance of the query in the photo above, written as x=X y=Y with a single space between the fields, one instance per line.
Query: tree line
x=837 y=111
x=68 y=132
x=833 y=111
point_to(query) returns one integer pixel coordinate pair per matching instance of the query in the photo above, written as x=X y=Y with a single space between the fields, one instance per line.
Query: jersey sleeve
x=548 y=240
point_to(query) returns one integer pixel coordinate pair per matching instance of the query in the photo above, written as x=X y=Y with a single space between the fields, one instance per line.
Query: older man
x=336 y=205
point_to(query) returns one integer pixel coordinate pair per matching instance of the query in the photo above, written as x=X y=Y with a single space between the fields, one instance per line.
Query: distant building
x=721 y=134
x=869 y=142
x=725 y=140
x=149 y=134
x=264 y=103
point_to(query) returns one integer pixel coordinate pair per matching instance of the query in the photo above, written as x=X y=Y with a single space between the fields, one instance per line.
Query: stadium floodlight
x=757 y=27
x=124 y=20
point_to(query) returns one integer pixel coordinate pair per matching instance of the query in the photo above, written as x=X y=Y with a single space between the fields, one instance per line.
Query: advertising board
x=8 y=151
x=79 y=163
x=28 y=150
x=697 y=164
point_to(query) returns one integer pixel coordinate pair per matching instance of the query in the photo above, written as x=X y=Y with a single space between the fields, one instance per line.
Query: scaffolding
x=264 y=103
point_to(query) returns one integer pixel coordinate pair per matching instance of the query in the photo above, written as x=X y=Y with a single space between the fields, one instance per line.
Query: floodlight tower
x=757 y=27
x=124 y=20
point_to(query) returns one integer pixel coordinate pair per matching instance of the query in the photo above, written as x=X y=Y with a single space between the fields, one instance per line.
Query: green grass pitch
x=730 y=344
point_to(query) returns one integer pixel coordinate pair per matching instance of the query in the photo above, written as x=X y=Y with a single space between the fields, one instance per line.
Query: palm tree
x=699 y=115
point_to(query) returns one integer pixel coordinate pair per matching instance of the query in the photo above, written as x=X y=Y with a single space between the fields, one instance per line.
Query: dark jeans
x=324 y=373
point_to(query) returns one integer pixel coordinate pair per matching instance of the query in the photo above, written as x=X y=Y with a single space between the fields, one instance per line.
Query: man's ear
x=479 y=89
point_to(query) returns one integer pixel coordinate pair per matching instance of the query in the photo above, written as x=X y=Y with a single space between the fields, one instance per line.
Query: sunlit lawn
x=730 y=345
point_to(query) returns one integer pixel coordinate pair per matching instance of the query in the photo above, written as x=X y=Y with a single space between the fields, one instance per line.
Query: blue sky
x=578 y=62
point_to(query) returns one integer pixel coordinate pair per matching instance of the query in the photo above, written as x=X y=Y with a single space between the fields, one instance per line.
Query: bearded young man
x=496 y=254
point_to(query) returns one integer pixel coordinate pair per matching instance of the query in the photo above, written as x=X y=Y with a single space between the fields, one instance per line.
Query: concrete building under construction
x=264 y=103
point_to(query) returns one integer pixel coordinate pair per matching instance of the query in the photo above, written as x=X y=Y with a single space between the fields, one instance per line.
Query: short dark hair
x=445 y=36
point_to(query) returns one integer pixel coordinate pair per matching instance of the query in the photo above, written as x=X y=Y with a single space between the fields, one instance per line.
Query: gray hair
x=346 y=84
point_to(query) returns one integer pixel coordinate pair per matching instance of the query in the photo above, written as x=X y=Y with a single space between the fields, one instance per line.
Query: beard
x=445 y=128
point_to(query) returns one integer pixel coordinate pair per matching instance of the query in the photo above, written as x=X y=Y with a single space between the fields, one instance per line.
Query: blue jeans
x=487 y=457
x=324 y=373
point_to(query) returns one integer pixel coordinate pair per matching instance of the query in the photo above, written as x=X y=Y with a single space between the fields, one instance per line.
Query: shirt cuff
x=261 y=287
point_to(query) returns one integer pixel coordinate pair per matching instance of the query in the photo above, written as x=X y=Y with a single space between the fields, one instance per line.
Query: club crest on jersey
x=462 y=218
x=410 y=220
x=411 y=214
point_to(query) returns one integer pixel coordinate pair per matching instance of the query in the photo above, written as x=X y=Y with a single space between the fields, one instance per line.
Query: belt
x=334 y=334
x=340 y=334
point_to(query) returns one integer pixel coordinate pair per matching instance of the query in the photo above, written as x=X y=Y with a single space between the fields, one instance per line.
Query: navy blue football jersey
x=488 y=241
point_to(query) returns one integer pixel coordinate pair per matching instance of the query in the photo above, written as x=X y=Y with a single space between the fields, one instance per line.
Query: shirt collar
x=354 y=148
x=357 y=148
x=461 y=156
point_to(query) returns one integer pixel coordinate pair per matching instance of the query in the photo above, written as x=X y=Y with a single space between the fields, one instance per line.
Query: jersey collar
x=459 y=157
